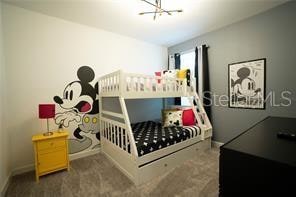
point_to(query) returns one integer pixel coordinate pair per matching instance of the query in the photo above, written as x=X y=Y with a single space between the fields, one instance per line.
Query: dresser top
x=56 y=134
x=261 y=140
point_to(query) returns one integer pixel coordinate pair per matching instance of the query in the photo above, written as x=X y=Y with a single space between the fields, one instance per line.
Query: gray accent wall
x=270 y=35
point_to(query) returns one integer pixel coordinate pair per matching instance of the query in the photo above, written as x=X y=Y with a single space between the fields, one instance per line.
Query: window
x=187 y=61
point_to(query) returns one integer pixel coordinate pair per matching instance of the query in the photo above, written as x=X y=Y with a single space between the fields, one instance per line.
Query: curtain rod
x=190 y=50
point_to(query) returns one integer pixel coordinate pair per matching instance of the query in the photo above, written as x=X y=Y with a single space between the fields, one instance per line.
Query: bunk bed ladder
x=207 y=121
x=128 y=127
x=205 y=125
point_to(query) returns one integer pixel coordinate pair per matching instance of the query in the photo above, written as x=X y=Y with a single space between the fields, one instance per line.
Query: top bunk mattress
x=151 y=136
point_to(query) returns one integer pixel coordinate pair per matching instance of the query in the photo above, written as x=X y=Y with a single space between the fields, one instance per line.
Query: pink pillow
x=158 y=74
x=188 y=117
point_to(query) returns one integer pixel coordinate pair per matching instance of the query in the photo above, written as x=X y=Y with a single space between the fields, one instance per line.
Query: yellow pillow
x=182 y=74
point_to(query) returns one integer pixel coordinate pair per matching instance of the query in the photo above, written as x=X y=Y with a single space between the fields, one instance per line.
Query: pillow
x=158 y=74
x=165 y=111
x=188 y=118
x=172 y=117
x=182 y=74
x=170 y=73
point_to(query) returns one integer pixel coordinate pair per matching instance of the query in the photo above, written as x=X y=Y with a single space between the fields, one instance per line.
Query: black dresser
x=258 y=163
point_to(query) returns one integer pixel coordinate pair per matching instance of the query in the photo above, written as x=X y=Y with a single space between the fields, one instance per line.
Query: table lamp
x=47 y=111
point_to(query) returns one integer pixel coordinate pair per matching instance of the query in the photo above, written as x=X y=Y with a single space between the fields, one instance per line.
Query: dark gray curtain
x=196 y=68
x=205 y=76
x=177 y=66
x=206 y=79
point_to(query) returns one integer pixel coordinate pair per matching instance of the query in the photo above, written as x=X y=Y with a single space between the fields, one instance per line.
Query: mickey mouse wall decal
x=81 y=108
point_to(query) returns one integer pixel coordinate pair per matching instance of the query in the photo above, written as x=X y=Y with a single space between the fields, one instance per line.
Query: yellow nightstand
x=51 y=153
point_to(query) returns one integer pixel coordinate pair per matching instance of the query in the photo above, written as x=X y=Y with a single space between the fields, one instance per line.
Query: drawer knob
x=165 y=165
x=51 y=143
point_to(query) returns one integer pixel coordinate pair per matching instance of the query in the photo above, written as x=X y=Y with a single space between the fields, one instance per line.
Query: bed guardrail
x=120 y=84
x=110 y=83
x=116 y=133
x=148 y=83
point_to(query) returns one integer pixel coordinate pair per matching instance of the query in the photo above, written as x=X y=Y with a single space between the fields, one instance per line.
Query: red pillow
x=158 y=74
x=188 y=117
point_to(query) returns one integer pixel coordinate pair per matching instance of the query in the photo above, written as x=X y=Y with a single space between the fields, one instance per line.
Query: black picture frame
x=245 y=84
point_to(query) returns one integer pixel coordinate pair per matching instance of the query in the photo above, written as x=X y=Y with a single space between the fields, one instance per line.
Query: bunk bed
x=122 y=142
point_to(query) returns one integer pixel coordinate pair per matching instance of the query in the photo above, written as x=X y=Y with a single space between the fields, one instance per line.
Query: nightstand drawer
x=49 y=144
x=51 y=161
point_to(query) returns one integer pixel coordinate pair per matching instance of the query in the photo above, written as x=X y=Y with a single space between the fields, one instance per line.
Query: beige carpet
x=97 y=176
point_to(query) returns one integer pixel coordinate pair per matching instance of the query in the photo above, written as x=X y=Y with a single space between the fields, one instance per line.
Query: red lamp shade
x=46 y=111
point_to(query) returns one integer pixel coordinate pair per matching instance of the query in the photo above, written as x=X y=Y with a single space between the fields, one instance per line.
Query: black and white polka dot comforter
x=151 y=136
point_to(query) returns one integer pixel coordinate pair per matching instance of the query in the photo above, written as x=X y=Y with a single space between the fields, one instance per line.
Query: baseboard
x=31 y=167
x=23 y=169
x=216 y=144
x=5 y=186
x=84 y=154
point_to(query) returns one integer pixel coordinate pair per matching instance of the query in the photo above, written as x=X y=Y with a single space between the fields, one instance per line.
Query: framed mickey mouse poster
x=246 y=84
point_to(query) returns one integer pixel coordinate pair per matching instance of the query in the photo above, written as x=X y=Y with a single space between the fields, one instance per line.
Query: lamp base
x=49 y=133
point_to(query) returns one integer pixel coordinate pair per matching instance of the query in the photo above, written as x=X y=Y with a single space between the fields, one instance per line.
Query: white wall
x=42 y=56
x=4 y=139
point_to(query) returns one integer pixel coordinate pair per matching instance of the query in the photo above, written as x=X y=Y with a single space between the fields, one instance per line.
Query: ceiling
x=121 y=16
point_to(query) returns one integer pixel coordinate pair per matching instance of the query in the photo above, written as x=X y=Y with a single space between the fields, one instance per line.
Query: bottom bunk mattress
x=151 y=136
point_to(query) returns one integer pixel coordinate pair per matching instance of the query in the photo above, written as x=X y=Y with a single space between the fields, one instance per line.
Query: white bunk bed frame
x=113 y=144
